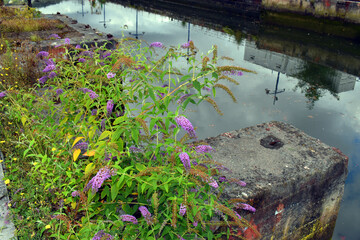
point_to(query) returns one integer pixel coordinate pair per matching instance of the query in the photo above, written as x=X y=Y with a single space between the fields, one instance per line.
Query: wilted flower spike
x=182 y=209
x=101 y=235
x=186 y=125
x=157 y=44
x=184 y=157
x=146 y=214
x=203 y=149
x=128 y=218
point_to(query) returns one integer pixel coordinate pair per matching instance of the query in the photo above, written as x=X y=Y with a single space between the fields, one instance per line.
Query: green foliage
x=135 y=147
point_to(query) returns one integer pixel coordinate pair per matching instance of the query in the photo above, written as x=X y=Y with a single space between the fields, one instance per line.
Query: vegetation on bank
x=98 y=147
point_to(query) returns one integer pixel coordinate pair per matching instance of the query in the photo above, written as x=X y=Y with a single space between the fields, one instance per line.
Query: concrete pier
x=294 y=181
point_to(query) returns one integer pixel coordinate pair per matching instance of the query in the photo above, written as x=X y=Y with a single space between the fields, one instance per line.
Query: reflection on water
x=317 y=74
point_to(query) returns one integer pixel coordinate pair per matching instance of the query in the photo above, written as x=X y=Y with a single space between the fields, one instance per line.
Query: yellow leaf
x=76 y=140
x=73 y=205
x=47 y=227
x=89 y=168
x=23 y=120
x=89 y=153
x=76 y=154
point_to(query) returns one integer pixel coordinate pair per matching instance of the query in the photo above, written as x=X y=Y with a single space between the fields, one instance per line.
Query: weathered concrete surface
x=296 y=184
x=7 y=228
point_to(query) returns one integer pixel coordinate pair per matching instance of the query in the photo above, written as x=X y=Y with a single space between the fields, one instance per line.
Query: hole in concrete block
x=271 y=142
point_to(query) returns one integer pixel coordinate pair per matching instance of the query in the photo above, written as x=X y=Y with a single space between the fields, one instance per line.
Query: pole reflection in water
x=104 y=21
x=137 y=34
x=82 y=9
x=267 y=91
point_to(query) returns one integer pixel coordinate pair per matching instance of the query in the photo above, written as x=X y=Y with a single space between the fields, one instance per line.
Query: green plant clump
x=96 y=147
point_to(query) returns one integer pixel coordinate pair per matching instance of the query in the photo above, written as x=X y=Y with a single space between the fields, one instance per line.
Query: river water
x=320 y=100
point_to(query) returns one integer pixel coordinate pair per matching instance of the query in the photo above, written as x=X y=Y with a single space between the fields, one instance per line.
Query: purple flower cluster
x=49 y=68
x=52 y=75
x=75 y=194
x=42 y=54
x=233 y=72
x=59 y=91
x=222 y=179
x=157 y=44
x=238 y=215
x=94 y=112
x=128 y=218
x=81 y=146
x=55 y=36
x=203 y=149
x=91 y=93
x=146 y=214
x=214 y=184
x=109 y=107
x=110 y=75
x=82 y=60
x=186 y=45
x=183 y=98
x=241 y=183
x=67 y=41
x=184 y=157
x=96 y=182
x=182 y=209
x=247 y=207
x=186 y=125
x=101 y=235
x=3 y=94
x=103 y=125
x=43 y=79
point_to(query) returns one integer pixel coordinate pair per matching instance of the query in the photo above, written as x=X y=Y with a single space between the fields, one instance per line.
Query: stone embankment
x=294 y=181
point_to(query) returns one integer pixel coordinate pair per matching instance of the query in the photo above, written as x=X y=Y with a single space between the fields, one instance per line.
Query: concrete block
x=295 y=182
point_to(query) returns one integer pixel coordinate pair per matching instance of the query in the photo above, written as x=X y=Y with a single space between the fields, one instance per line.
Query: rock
x=296 y=184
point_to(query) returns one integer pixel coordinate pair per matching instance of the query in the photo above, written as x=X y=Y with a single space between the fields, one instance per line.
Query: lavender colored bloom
x=75 y=194
x=52 y=75
x=42 y=54
x=233 y=72
x=186 y=125
x=101 y=235
x=186 y=45
x=67 y=41
x=43 y=79
x=172 y=126
x=183 y=98
x=241 y=183
x=157 y=44
x=203 y=149
x=182 y=209
x=146 y=214
x=246 y=206
x=109 y=107
x=59 y=91
x=49 y=68
x=128 y=218
x=81 y=146
x=184 y=157
x=195 y=163
x=3 y=94
x=49 y=61
x=93 y=112
x=222 y=179
x=92 y=94
x=238 y=215
x=82 y=60
x=195 y=224
x=213 y=184
x=84 y=90
x=54 y=35
x=96 y=182
x=77 y=46
x=134 y=149
x=110 y=75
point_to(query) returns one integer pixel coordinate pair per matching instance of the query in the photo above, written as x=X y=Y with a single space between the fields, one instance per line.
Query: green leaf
x=151 y=94
x=166 y=186
x=119 y=120
x=116 y=135
x=114 y=191
x=135 y=135
x=104 y=135
x=140 y=167
x=197 y=85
